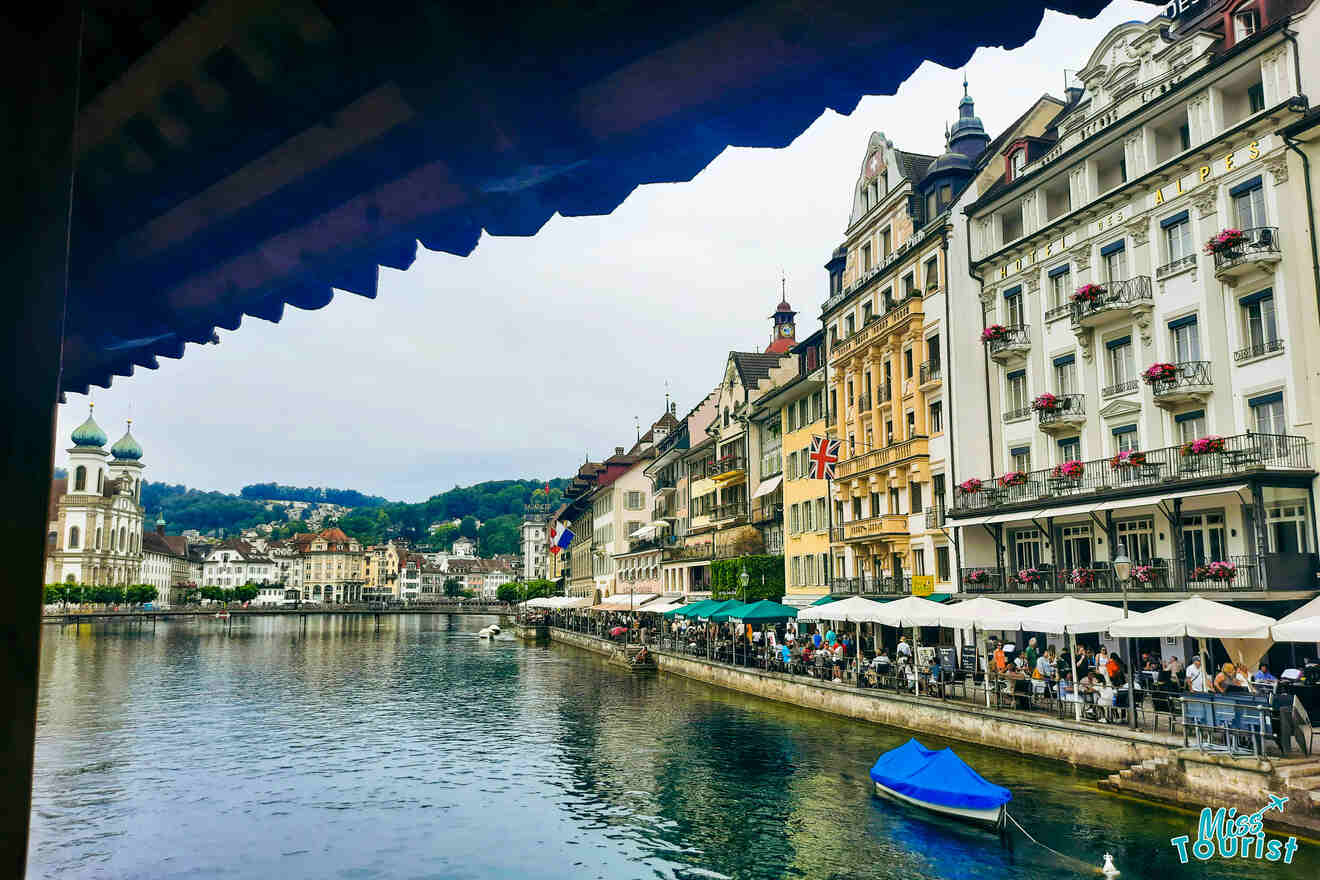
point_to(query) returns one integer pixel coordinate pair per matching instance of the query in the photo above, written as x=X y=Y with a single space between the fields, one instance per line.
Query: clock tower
x=783 y=330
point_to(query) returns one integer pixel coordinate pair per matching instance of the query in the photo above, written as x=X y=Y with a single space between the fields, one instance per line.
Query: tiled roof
x=913 y=165
x=753 y=366
x=154 y=543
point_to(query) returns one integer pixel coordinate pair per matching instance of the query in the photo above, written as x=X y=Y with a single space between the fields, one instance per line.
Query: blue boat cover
x=936 y=777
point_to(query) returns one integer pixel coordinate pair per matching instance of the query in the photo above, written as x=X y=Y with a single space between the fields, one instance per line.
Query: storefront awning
x=768 y=486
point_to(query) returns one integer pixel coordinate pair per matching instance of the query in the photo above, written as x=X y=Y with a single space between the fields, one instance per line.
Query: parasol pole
x=1072 y=657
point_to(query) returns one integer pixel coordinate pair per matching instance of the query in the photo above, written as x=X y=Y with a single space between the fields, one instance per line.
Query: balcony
x=1191 y=384
x=864 y=402
x=1247 y=573
x=1115 y=299
x=1012 y=346
x=883 y=457
x=724 y=514
x=884 y=526
x=870 y=585
x=932 y=371
x=1119 y=388
x=1259 y=350
x=1175 y=266
x=767 y=513
x=728 y=470
x=1256 y=255
x=877 y=327
x=664 y=484
x=1159 y=470
x=1058 y=313
x=884 y=394
x=935 y=517
x=689 y=551
x=1017 y=415
x=1068 y=415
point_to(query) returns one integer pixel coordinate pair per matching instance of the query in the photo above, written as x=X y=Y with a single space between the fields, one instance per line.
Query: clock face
x=785 y=329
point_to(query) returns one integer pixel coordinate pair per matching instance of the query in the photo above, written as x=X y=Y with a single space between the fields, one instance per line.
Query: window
x=1026 y=545
x=1116 y=265
x=1070 y=449
x=886 y=246
x=909 y=284
x=1122 y=370
x=936 y=417
x=933 y=354
x=914 y=498
x=849 y=326
x=1013 y=309
x=1017 y=390
x=932 y=274
x=1186 y=338
x=1184 y=137
x=1065 y=374
x=1249 y=204
x=1020 y=458
x=893 y=501
x=817 y=401
x=1245 y=23
x=820 y=515
x=1267 y=414
x=943 y=571
x=633 y=500
x=1060 y=287
x=797 y=570
x=919 y=561
x=907 y=363
x=866 y=314
x=794 y=519
x=931 y=203
x=79 y=478
x=946 y=195
x=911 y=424
x=1286 y=523
x=1125 y=439
x=1178 y=239
x=1138 y=538
x=1019 y=162
x=1190 y=425
x=1075 y=547
x=1256 y=97
x=889 y=432
x=866 y=257
x=1260 y=331
x=1203 y=538
x=73 y=538
x=857 y=508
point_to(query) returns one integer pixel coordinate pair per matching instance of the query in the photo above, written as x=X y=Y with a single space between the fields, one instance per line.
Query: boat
x=221 y=615
x=938 y=781
x=489 y=632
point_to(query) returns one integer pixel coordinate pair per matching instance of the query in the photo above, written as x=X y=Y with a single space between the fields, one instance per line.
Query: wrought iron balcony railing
x=1259 y=349
x=1261 y=242
x=1119 y=296
x=1241 y=573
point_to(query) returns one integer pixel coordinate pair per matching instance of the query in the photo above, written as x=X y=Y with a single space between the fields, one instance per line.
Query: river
x=413 y=749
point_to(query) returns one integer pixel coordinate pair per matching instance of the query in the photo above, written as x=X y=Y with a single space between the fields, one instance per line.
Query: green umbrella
x=691 y=611
x=717 y=608
x=825 y=600
x=763 y=612
x=731 y=608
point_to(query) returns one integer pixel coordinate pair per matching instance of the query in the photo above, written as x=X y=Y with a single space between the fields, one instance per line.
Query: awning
x=804 y=600
x=663 y=605
x=643 y=532
x=768 y=486
x=1096 y=507
x=623 y=601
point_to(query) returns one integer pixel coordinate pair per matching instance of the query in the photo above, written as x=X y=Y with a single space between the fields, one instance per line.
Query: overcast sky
x=530 y=354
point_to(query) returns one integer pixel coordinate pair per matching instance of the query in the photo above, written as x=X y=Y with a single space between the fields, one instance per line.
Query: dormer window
x=1018 y=162
x=1246 y=21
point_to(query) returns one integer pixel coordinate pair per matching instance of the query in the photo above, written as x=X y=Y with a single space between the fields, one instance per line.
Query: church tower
x=783 y=329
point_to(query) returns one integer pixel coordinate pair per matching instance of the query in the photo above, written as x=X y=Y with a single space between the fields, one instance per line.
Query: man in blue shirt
x=1263 y=675
x=815 y=640
x=830 y=637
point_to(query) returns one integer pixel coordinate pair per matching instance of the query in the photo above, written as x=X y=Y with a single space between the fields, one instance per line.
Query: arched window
x=123 y=538
x=100 y=480
x=79 y=478
x=73 y=538
x=98 y=537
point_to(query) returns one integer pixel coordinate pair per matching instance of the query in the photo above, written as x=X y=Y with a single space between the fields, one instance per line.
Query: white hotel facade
x=1169 y=138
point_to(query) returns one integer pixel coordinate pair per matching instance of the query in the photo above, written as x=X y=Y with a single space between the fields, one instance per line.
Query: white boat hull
x=991 y=816
x=489 y=632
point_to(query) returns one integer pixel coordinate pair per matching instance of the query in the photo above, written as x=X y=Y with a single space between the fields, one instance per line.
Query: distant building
x=465 y=548
x=381 y=575
x=332 y=566
x=235 y=563
x=164 y=564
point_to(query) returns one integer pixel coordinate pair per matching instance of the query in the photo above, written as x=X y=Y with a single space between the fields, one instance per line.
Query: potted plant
x=1012 y=478
x=970 y=486
x=1088 y=293
x=1215 y=571
x=1143 y=574
x=1029 y=576
x=1224 y=241
x=1126 y=459
x=979 y=576
x=1082 y=577
x=993 y=332
x=1071 y=469
x=1046 y=402
x=1206 y=445
x=1161 y=372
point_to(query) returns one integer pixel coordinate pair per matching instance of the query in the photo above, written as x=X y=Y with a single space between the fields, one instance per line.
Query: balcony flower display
x=1144 y=574
x=970 y=486
x=1012 y=478
x=1071 y=469
x=979 y=576
x=1204 y=445
x=1088 y=293
x=1046 y=403
x=1161 y=372
x=1225 y=240
x=993 y=332
x=1214 y=571
x=1081 y=577
x=1030 y=576
x=1127 y=458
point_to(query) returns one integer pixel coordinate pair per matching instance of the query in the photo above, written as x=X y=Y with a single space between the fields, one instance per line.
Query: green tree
x=56 y=594
x=453 y=587
x=246 y=593
x=539 y=588
x=765 y=578
x=468 y=527
x=510 y=592
x=499 y=535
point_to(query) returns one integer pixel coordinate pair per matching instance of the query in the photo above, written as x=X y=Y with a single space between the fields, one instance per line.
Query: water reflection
x=410 y=748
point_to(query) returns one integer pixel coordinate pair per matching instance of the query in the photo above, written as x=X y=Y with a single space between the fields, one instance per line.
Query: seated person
x=1263 y=675
x=881 y=660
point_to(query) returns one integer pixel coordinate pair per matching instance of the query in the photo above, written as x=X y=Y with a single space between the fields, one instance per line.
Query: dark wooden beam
x=42 y=53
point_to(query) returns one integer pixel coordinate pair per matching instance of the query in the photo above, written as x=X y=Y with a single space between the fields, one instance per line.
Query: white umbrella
x=852 y=609
x=1066 y=615
x=1306 y=629
x=1310 y=609
x=1195 y=618
x=974 y=613
x=909 y=611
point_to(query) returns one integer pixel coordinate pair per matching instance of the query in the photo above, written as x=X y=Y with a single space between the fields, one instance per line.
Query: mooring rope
x=1072 y=859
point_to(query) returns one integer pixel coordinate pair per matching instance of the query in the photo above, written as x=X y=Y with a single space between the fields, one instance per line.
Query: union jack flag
x=824 y=456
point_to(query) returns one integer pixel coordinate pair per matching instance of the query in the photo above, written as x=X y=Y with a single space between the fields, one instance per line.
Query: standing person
x=1174 y=666
x=1031 y=654
x=830 y=637
x=904 y=649
x=1001 y=659
x=815 y=638
x=1195 y=675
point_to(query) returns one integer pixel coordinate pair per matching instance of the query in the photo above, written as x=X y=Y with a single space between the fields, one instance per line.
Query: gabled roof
x=154 y=543
x=753 y=366
x=913 y=165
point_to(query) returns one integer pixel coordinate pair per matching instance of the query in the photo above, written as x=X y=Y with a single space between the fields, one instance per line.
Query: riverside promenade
x=1151 y=764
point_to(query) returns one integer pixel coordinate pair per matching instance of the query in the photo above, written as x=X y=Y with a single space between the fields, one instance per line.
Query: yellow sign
x=923 y=584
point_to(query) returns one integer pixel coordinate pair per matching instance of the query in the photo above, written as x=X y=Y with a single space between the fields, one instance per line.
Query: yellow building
x=799 y=407
x=381 y=572
x=332 y=566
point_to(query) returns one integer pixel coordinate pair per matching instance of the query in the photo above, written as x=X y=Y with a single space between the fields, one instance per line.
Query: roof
x=913 y=165
x=231 y=161
x=754 y=366
x=154 y=543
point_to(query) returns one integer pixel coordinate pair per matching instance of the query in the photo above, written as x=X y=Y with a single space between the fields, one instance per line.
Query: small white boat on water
x=489 y=632
x=940 y=782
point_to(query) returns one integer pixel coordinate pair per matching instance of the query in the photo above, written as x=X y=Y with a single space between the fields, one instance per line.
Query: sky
x=531 y=354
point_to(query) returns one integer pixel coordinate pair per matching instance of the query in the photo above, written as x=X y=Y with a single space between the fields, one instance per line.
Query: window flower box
x=1215 y=571
x=1030 y=576
x=1012 y=478
x=1144 y=574
x=1161 y=372
x=1224 y=241
x=1207 y=445
x=980 y=576
x=971 y=486
x=1046 y=403
x=1088 y=293
x=1126 y=459
x=993 y=332
x=1069 y=469
x=1082 y=577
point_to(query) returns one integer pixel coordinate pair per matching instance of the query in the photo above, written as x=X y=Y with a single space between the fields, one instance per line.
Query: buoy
x=1108 y=868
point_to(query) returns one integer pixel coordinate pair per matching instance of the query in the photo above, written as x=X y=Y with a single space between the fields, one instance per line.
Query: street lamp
x=743 y=579
x=1122 y=570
